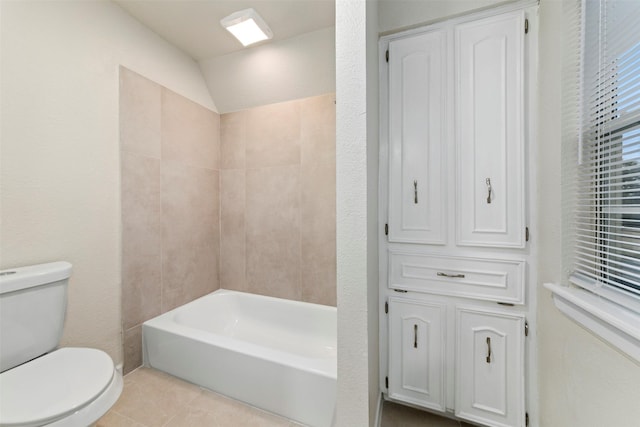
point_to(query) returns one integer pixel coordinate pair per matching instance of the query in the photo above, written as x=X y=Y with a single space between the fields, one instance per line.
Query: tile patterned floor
x=395 y=415
x=152 y=398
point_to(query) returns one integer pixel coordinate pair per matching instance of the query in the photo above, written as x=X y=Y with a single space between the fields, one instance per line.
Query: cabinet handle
x=415 y=192
x=415 y=336
x=489 y=190
x=488 y=350
x=453 y=276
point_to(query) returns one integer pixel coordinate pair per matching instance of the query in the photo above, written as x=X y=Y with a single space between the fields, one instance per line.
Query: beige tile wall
x=277 y=200
x=170 y=151
x=242 y=201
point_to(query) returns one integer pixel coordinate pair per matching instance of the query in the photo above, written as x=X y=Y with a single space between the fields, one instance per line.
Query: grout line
x=172 y=418
x=128 y=418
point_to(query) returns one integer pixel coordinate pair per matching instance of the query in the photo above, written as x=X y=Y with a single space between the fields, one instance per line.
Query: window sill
x=611 y=322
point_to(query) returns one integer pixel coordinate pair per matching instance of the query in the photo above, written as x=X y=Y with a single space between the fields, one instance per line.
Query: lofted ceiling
x=194 y=25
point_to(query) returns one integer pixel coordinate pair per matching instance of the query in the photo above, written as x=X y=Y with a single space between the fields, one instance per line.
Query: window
x=601 y=170
x=607 y=206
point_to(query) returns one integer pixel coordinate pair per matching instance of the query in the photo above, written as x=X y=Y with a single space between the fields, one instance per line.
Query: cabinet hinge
x=526 y=328
x=386 y=229
x=386 y=307
x=386 y=55
x=526 y=27
x=386 y=382
x=526 y=419
x=526 y=234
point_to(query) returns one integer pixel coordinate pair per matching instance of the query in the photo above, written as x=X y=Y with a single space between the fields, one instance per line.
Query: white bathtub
x=275 y=354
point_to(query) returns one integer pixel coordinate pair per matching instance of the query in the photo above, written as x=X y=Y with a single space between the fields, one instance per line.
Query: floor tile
x=113 y=419
x=151 y=398
x=396 y=415
x=154 y=399
x=229 y=412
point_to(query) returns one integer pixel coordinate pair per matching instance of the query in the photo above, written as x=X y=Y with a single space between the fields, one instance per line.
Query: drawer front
x=479 y=278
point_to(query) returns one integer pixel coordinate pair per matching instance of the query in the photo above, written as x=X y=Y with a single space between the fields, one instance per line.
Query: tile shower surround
x=211 y=201
x=277 y=234
x=170 y=204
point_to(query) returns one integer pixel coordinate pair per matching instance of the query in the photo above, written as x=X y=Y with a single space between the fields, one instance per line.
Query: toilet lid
x=53 y=385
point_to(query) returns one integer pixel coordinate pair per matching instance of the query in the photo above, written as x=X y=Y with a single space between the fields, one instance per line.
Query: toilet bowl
x=40 y=385
x=67 y=387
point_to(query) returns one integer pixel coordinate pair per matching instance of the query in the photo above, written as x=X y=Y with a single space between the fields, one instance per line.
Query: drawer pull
x=488 y=350
x=489 y=189
x=453 y=276
x=415 y=336
x=415 y=192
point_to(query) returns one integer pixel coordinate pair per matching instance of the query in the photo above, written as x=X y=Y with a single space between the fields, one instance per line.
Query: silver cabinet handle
x=489 y=190
x=453 y=276
x=488 y=350
x=415 y=336
x=415 y=192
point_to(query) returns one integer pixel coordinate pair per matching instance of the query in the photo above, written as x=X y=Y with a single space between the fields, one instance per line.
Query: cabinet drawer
x=478 y=278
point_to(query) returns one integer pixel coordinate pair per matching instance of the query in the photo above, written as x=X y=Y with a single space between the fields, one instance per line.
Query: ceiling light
x=247 y=26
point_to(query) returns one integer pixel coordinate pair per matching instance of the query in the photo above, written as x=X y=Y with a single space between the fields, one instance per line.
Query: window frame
x=597 y=138
x=610 y=312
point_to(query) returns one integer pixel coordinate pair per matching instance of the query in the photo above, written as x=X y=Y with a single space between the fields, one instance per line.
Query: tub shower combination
x=274 y=354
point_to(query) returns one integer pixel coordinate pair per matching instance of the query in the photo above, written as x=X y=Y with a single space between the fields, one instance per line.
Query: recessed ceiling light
x=247 y=26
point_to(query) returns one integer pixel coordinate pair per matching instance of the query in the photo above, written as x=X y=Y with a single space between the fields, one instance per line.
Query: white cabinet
x=456 y=128
x=489 y=63
x=488 y=125
x=417 y=352
x=488 y=352
x=490 y=367
x=417 y=131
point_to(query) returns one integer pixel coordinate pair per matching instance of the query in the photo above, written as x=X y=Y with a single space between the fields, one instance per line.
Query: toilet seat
x=57 y=385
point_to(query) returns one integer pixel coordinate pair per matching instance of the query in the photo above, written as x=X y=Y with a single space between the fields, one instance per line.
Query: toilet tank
x=33 y=302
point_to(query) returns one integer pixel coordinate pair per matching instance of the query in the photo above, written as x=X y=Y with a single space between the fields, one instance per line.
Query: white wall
x=59 y=182
x=583 y=381
x=355 y=129
x=294 y=68
x=373 y=226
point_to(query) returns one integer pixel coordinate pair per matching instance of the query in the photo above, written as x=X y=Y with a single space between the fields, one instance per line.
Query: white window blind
x=606 y=202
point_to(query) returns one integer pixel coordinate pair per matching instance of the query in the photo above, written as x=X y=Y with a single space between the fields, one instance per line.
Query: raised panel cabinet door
x=417 y=352
x=417 y=131
x=490 y=368
x=489 y=131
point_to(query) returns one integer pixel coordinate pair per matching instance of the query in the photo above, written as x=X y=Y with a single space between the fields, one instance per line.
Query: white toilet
x=39 y=384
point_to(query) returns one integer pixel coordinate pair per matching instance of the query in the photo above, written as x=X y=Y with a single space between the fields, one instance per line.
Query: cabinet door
x=490 y=368
x=489 y=58
x=417 y=129
x=417 y=352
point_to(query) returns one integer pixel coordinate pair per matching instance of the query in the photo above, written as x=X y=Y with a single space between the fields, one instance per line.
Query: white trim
x=460 y=18
x=378 y=419
x=618 y=296
x=613 y=323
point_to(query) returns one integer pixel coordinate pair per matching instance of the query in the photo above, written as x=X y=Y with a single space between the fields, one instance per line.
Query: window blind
x=606 y=184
